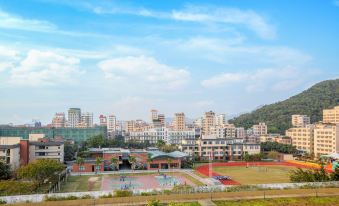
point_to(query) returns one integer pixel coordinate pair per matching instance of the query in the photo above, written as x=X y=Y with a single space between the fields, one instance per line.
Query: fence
x=193 y=190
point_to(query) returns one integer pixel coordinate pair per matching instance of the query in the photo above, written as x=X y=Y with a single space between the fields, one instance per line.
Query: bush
x=123 y=193
x=149 y=193
x=3 y=202
x=12 y=187
x=106 y=196
x=154 y=203
x=55 y=198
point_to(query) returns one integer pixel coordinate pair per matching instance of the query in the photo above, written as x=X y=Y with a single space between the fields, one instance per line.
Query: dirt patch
x=91 y=182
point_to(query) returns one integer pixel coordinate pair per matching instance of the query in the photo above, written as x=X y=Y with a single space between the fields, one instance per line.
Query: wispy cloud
x=143 y=69
x=10 y=21
x=220 y=16
x=269 y=79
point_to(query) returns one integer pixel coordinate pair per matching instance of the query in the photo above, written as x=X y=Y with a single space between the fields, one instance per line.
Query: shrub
x=2 y=202
x=123 y=193
x=148 y=193
x=106 y=196
x=154 y=203
x=70 y=197
x=12 y=187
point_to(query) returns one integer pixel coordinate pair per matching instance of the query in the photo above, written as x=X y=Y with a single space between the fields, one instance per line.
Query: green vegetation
x=40 y=170
x=12 y=187
x=278 y=115
x=275 y=146
x=5 y=171
x=123 y=193
x=305 y=201
x=320 y=175
x=81 y=184
x=256 y=175
x=71 y=197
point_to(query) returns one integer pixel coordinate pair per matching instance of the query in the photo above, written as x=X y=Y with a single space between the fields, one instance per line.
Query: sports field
x=251 y=173
x=127 y=181
x=256 y=174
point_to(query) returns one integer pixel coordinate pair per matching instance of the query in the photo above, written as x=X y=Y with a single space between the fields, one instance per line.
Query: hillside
x=278 y=115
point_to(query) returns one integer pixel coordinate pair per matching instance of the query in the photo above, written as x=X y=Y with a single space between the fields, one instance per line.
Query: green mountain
x=310 y=102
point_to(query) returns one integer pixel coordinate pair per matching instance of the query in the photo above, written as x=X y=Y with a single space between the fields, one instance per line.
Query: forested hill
x=310 y=102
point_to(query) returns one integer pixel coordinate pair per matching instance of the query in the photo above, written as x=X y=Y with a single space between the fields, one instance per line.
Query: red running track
x=204 y=169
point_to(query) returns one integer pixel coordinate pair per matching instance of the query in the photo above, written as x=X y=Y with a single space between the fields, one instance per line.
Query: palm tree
x=149 y=159
x=98 y=162
x=169 y=161
x=114 y=162
x=80 y=161
x=133 y=161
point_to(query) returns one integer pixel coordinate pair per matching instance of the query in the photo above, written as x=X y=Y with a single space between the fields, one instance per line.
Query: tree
x=80 y=161
x=273 y=155
x=160 y=143
x=133 y=161
x=5 y=171
x=97 y=141
x=149 y=158
x=246 y=157
x=169 y=162
x=69 y=151
x=98 y=162
x=114 y=162
x=40 y=170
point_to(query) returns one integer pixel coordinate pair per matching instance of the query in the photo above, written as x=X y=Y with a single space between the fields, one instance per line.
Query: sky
x=128 y=57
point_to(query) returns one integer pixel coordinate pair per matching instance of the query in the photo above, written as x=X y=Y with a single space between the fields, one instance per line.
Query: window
x=82 y=168
x=98 y=167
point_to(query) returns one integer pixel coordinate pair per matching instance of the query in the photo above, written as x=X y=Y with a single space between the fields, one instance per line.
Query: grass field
x=306 y=201
x=256 y=175
x=82 y=183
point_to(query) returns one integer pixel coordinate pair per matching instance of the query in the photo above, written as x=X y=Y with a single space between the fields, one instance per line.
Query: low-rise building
x=259 y=129
x=276 y=138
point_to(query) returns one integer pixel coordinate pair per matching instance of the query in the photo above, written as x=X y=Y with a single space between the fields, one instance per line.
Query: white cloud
x=9 y=21
x=248 y=18
x=7 y=58
x=45 y=68
x=233 y=50
x=274 y=79
x=143 y=69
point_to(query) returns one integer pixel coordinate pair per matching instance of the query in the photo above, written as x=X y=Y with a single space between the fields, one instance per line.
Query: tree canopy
x=278 y=115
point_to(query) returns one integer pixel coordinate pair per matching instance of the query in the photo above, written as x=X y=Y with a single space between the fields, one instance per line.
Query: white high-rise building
x=74 y=117
x=111 y=123
x=220 y=119
x=208 y=122
x=154 y=115
x=87 y=119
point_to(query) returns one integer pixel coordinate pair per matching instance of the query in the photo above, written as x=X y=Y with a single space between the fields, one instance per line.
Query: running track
x=204 y=169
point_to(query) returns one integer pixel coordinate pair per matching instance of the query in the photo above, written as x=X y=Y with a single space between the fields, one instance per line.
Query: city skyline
x=129 y=57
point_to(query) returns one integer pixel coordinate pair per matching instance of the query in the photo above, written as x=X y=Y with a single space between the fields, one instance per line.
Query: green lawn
x=256 y=175
x=82 y=183
x=305 y=201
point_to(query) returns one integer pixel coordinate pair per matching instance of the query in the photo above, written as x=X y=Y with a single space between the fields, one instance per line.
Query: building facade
x=302 y=138
x=74 y=117
x=331 y=115
x=259 y=129
x=300 y=120
x=179 y=122
x=326 y=139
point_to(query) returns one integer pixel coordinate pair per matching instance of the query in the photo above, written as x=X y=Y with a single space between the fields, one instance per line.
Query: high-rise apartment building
x=59 y=120
x=103 y=120
x=331 y=115
x=129 y=126
x=74 y=117
x=300 y=120
x=302 y=138
x=87 y=119
x=154 y=115
x=220 y=119
x=179 y=123
x=326 y=139
x=208 y=122
x=161 y=118
x=259 y=129
x=112 y=123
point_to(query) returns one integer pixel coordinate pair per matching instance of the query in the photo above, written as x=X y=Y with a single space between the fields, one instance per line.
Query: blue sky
x=126 y=57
